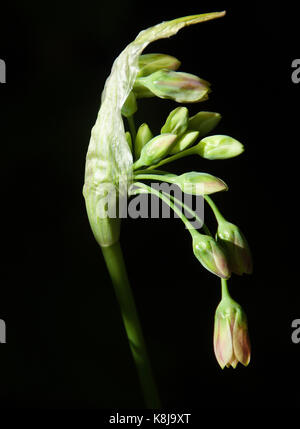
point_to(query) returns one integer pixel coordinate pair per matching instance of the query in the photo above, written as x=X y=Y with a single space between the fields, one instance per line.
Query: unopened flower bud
x=176 y=122
x=178 y=86
x=143 y=136
x=204 y=122
x=156 y=149
x=128 y=139
x=141 y=91
x=199 y=183
x=219 y=147
x=184 y=141
x=130 y=106
x=210 y=254
x=231 y=339
x=150 y=63
x=236 y=247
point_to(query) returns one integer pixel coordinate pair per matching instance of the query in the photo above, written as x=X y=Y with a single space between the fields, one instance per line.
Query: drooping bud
x=156 y=149
x=184 y=141
x=178 y=86
x=130 y=106
x=204 y=122
x=177 y=121
x=199 y=183
x=219 y=147
x=150 y=63
x=236 y=247
x=231 y=339
x=210 y=254
x=128 y=139
x=143 y=136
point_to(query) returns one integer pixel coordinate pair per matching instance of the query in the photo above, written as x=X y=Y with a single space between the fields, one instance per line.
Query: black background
x=66 y=345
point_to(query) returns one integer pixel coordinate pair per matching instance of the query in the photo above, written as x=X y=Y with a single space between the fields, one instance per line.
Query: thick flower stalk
x=119 y=160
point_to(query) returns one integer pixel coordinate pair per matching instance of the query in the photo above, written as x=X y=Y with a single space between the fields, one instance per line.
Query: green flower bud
x=178 y=86
x=128 y=139
x=204 y=122
x=156 y=149
x=150 y=63
x=199 y=183
x=143 y=136
x=210 y=254
x=184 y=141
x=219 y=147
x=231 y=339
x=130 y=106
x=141 y=91
x=177 y=121
x=236 y=247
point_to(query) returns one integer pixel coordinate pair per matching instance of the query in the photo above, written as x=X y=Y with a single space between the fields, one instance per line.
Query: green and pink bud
x=178 y=86
x=210 y=254
x=156 y=149
x=219 y=147
x=236 y=247
x=197 y=183
x=150 y=63
x=231 y=339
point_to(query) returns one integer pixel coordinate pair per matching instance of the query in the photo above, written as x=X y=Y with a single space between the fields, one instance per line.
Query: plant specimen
x=119 y=162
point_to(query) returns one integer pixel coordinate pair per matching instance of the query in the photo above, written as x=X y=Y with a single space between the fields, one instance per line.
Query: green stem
x=225 y=292
x=189 y=210
x=131 y=123
x=162 y=178
x=191 y=151
x=215 y=209
x=115 y=263
x=166 y=199
x=147 y=171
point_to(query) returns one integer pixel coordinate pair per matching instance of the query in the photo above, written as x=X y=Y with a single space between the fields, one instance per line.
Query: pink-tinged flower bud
x=210 y=254
x=156 y=149
x=219 y=147
x=236 y=247
x=150 y=63
x=196 y=183
x=178 y=86
x=231 y=339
